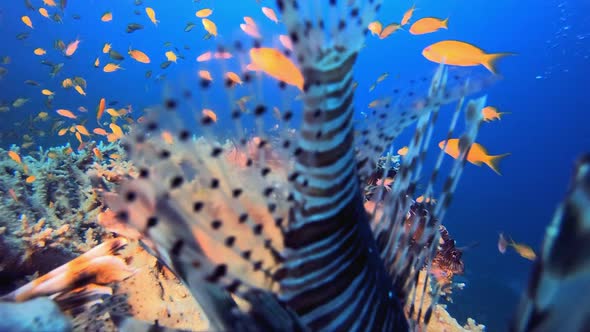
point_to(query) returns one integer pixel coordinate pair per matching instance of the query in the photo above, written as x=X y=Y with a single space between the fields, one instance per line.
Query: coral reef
x=49 y=206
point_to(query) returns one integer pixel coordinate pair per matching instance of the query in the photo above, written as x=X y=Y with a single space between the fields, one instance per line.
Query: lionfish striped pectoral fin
x=215 y=223
x=334 y=278
x=557 y=298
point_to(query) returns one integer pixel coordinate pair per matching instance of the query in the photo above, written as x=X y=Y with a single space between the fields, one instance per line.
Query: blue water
x=545 y=87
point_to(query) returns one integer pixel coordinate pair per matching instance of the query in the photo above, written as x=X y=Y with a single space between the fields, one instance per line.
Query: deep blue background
x=545 y=87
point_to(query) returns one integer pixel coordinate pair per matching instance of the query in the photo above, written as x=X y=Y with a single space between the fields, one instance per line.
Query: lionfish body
x=299 y=246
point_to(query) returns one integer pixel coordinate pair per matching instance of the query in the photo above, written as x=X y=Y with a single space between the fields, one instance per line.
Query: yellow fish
x=170 y=56
x=27 y=21
x=111 y=67
x=210 y=27
x=275 y=64
x=428 y=25
x=107 y=17
x=408 y=15
x=491 y=113
x=458 y=53
x=203 y=13
x=139 y=56
x=43 y=12
x=39 y=51
x=152 y=15
x=477 y=154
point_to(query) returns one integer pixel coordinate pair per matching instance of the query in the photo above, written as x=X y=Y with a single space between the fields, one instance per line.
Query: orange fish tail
x=494 y=162
x=445 y=23
x=489 y=60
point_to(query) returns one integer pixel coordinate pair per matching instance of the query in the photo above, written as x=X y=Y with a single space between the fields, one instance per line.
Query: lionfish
x=302 y=238
x=271 y=233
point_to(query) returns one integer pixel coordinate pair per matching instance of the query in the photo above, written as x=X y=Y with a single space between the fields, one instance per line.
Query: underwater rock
x=40 y=314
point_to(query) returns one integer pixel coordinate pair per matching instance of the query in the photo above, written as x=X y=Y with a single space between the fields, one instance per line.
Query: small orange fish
x=167 y=137
x=275 y=64
x=39 y=51
x=62 y=131
x=47 y=92
x=233 y=77
x=403 y=151
x=408 y=15
x=30 y=179
x=209 y=26
x=97 y=153
x=203 y=13
x=209 y=113
x=523 y=250
x=205 y=74
x=491 y=113
x=82 y=130
x=66 y=113
x=428 y=25
x=106 y=48
x=111 y=67
x=96 y=62
x=12 y=194
x=388 y=30
x=286 y=42
x=72 y=47
x=375 y=27
x=205 y=57
x=151 y=15
x=99 y=131
x=79 y=90
x=67 y=83
x=270 y=13
x=43 y=12
x=107 y=17
x=50 y=3
x=27 y=21
x=251 y=30
x=458 y=53
x=139 y=56
x=101 y=107
x=14 y=156
x=477 y=154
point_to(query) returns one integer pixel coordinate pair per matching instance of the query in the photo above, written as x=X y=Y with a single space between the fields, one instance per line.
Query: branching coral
x=49 y=206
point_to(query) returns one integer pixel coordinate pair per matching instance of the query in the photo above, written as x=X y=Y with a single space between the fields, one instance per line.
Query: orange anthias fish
x=44 y=12
x=152 y=15
x=203 y=13
x=408 y=15
x=14 y=156
x=523 y=250
x=72 y=47
x=101 y=107
x=477 y=154
x=209 y=26
x=27 y=21
x=270 y=13
x=139 y=56
x=274 y=63
x=403 y=151
x=111 y=67
x=107 y=17
x=66 y=113
x=458 y=53
x=490 y=113
x=375 y=27
x=428 y=25
x=39 y=51
x=388 y=30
